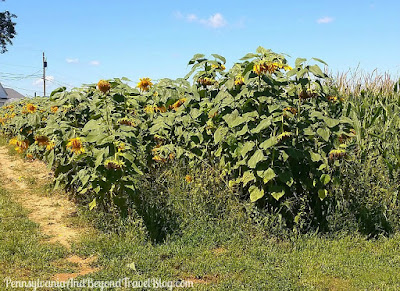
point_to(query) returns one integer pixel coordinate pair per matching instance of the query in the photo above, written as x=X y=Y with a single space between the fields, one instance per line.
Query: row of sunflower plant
x=278 y=132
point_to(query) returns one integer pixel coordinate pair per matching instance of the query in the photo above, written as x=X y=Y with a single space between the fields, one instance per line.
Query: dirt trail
x=23 y=179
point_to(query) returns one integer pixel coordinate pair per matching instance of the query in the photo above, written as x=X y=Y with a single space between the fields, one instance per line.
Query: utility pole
x=44 y=75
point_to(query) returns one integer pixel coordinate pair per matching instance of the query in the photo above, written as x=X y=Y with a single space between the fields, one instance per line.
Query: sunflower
x=332 y=99
x=290 y=109
x=150 y=108
x=126 y=121
x=112 y=164
x=54 y=109
x=13 y=141
x=50 y=145
x=161 y=109
x=206 y=81
x=103 y=86
x=30 y=108
x=75 y=145
x=42 y=140
x=21 y=146
x=177 y=104
x=29 y=156
x=145 y=84
x=337 y=154
x=284 y=135
x=188 y=178
x=239 y=80
x=159 y=159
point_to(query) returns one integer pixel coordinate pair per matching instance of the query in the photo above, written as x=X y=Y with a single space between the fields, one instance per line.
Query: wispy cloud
x=94 y=63
x=72 y=61
x=216 y=20
x=324 y=20
x=38 y=82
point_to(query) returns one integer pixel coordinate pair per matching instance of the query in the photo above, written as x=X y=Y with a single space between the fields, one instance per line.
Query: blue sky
x=88 y=40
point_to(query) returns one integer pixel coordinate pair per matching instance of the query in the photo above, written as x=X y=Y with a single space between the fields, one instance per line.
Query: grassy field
x=213 y=256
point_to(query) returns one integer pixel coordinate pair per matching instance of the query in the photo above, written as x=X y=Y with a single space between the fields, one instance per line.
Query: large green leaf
x=248 y=176
x=247 y=147
x=262 y=125
x=256 y=158
x=269 y=143
x=267 y=175
x=220 y=134
x=324 y=133
x=255 y=193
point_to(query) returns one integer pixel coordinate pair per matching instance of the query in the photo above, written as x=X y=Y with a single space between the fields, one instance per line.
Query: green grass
x=226 y=260
x=214 y=252
x=23 y=255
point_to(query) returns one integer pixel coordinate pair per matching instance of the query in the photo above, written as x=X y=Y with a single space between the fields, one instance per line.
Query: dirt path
x=24 y=179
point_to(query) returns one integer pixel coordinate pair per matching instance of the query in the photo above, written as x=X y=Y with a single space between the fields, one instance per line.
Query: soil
x=23 y=179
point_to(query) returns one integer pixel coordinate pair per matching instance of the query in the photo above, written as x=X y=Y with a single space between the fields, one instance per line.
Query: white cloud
x=215 y=21
x=38 y=82
x=72 y=61
x=191 y=17
x=94 y=63
x=324 y=20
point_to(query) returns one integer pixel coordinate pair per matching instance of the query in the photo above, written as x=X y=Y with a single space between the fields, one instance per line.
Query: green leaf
x=277 y=192
x=255 y=159
x=255 y=193
x=219 y=57
x=92 y=204
x=315 y=157
x=248 y=176
x=262 y=125
x=243 y=131
x=322 y=193
x=330 y=122
x=220 y=134
x=316 y=71
x=321 y=61
x=268 y=175
x=324 y=133
x=325 y=179
x=247 y=147
x=299 y=61
x=269 y=143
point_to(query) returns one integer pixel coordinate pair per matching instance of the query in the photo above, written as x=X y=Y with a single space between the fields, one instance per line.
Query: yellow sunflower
x=75 y=145
x=188 y=178
x=50 y=145
x=30 y=108
x=145 y=84
x=103 y=86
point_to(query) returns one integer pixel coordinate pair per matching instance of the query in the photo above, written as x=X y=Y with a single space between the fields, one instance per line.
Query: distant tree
x=7 y=29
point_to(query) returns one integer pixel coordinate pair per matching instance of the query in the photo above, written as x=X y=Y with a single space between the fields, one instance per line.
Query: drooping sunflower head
x=21 y=146
x=103 y=86
x=75 y=145
x=337 y=154
x=54 y=109
x=111 y=164
x=145 y=84
x=239 y=80
x=177 y=104
x=284 y=136
x=41 y=140
x=126 y=121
